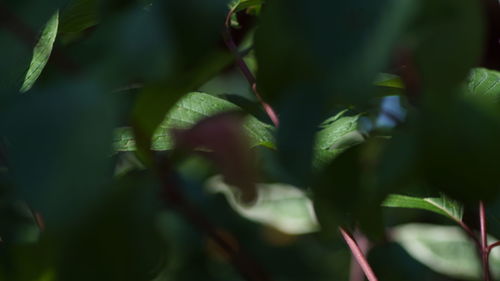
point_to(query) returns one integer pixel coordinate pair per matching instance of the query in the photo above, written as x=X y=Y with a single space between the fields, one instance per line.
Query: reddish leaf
x=224 y=136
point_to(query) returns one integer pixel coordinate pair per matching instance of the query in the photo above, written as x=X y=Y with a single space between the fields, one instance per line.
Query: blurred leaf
x=55 y=136
x=389 y=80
x=223 y=135
x=159 y=46
x=485 y=82
x=281 y=206
x=118 y=239
x=347 y=190
x=28 y=262
x=445 y=249
x=41 y=52
x=458 y=149
x=443 y=205
x=17 y=223
x=391 y=262
x=35 y=13
x=312 y=59
x=77 y=17
x=186 y=113
x=446 y=47
x=340 y=46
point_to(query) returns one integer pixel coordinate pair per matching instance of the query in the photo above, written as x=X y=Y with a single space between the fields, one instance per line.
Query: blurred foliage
x=132 y=146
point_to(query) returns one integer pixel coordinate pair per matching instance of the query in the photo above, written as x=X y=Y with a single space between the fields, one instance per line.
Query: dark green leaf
x=77 y=17
x=340 y=46
x=45 y=132
x=446 y=47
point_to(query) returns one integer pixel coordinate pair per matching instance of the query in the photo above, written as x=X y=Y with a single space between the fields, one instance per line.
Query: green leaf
x=443 y=205
x=445 y=249
x=389 y=80
x=41 y=52
x=340 y=47
x=460 y=126
x=245 y=4
x=484 y=82
x=281 y=206
x=314 y=56
x=186 y=113
x=78 y=16
x=447 y=47
x=48 y=130
x=337 y=134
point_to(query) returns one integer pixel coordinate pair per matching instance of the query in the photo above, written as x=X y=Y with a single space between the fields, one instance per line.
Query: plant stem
x=228 y=40
x=490 y=247
x=355 y=272
x=484 y=243
x=358 y=255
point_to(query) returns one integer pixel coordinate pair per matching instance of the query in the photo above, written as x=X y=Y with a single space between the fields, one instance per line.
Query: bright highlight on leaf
x=484 y=82
x=41 y=52
x=443 y=206
x=444 y=249
x=281 y=206
x=186 y=113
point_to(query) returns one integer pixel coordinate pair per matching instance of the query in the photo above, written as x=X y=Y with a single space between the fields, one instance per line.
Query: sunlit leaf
x=41 y=52
x=186 y=113
x=281 y=206
x=484 y=82
x=443 y=205
x=337 y=134
x=445 y=249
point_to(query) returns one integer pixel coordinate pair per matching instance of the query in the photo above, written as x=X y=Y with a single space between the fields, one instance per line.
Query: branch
x=492 y=246
x=228 y=40
x=358 y=255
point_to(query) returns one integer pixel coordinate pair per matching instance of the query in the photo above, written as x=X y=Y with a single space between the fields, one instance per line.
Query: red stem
x=490 y=247
x=355 y=272
x=358 y=255
x=484 y=243
x=228 y=40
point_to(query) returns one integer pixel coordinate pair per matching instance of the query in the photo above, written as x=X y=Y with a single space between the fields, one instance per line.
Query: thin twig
x=493 y=245
x=231 y=45
x=358 y=255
